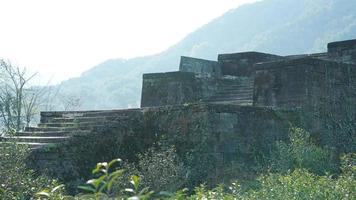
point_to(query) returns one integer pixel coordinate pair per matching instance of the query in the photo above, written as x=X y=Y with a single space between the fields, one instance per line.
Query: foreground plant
x=106 y=177
x=100 y=188
x=135 y=191
x=55 y=193
x=17 y=181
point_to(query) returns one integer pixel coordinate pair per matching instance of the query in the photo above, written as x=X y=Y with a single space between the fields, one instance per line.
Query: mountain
x=274 y=26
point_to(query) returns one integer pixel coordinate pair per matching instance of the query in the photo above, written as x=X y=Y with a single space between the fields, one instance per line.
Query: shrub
x=161 y=169
x=301 y=152
x=99 y=188
x=301 y=184
x=16 y=180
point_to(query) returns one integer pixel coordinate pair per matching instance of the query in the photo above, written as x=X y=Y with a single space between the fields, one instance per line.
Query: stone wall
x=220 y=137
x=177 y=88
x=242 y=64
x=169 y=89
x=344 y=51
x=301 y=82
x=216 y=142
x=200 y=67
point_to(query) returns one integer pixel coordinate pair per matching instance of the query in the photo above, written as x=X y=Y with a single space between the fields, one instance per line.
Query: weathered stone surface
x=222 y=134
x=169 y=89
x=280 y=81
x=242 y=64
x=343 y=51
x=200 y=67
x=301 y=82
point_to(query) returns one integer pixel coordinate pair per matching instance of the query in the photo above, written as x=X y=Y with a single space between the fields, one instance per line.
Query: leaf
x=103 y=186
x=99 y=167
x=135 y=181
x=56 y=188
x=166 y=194
x=113 y=162
x=86 y=196
x=129 y=190
x=87 y=188
x=113 y=177
x=100 y=180
x=134 y=198
x=43 y=193
x=144 y=190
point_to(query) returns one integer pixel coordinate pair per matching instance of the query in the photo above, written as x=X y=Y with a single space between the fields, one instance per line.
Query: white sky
x=62 y=38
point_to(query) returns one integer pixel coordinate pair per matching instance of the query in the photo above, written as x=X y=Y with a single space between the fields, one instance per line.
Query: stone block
x=200 y=67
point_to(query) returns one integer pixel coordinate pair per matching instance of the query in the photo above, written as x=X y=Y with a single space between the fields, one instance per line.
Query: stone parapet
x=200 y=67
x=301 y=82
x=242 y=64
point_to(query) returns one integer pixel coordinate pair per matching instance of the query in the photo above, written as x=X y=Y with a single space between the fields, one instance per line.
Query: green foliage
x=16 y=180
x=300 y=153
x=348 y=164
x=56 y=193
x=135 y=191
x=301 y=184
x=106 y=177
x=200 y=168
x=100 y=188
x=161 y=169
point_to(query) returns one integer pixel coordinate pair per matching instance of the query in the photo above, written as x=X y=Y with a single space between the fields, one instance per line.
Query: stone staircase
x=234 y=90
x=57 y=127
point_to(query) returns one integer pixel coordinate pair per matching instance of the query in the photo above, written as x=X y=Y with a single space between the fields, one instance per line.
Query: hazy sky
x=63 y=38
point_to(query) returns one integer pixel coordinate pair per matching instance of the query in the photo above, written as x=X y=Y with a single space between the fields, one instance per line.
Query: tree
x=71 y=102
x=16 y=102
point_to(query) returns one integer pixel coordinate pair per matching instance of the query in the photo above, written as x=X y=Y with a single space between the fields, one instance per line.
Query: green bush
x=100 y=187
x=16 y=180
x=301 y=152
x=301 y=184
x=161 y=169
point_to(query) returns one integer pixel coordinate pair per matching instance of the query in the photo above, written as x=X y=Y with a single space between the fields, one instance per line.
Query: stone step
x=84 y=122
x=49 y=129
x=231 y=97
x=87 y=119
x=236 y=85
x=105 y=114
x=99 y=113
x=59 y=125
x=48 y=116
x=232 y=93
x=61 y=120
x=235 y=88
x=234 y=80
x=228 y=99
x=220 y=93
x=33 y=145
x=36 y=139
x=227 y=92
x=239 y=102
x=100 y=119
x=52 y=133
